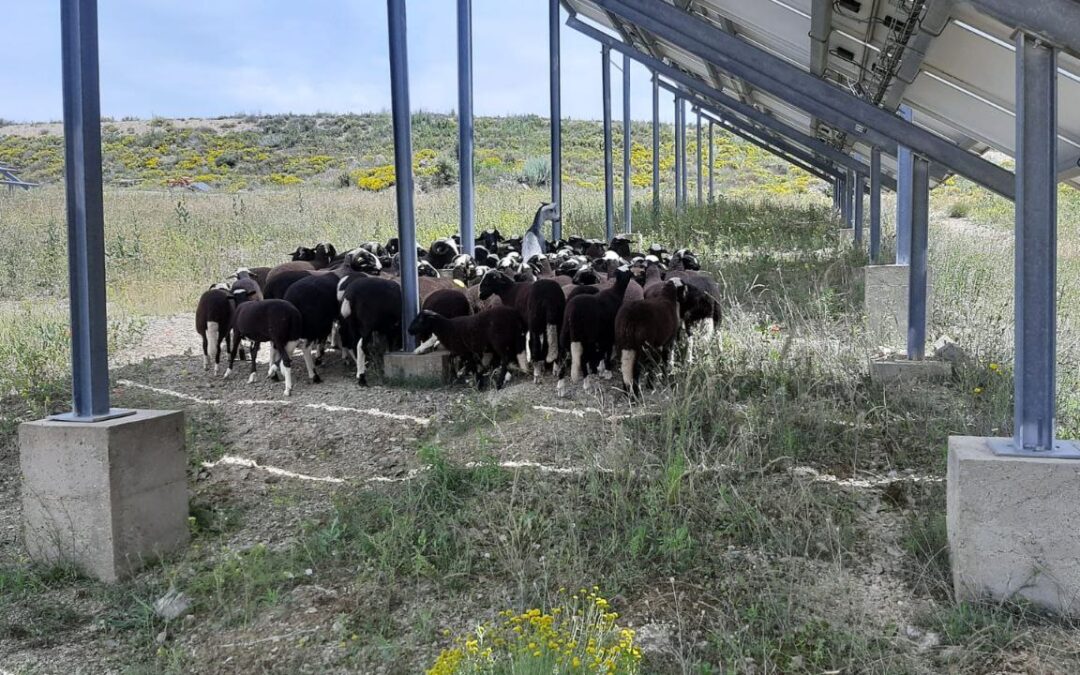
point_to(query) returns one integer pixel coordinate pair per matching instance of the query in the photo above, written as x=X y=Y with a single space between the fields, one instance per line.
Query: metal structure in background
x=875 y=206
x=465 y=127
x=678 y=155
x=920 y=221
x=700 y=175
x=11 y=180
x=1036 y=249
x=399 y=92
x=904 y=187
x=858 y=195
x=85 y=215
x=712 y=166
x=656 y=148
x=759 y=68
x=609 y=178
x=627 y=138
x=555 y=84
x=836 y=188
x=845 y=200
x=719 y=99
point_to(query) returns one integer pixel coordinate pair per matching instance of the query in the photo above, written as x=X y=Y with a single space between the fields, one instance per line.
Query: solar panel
x=954 y=66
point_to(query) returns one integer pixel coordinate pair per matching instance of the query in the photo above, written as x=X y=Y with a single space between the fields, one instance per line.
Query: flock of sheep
x=578 y=303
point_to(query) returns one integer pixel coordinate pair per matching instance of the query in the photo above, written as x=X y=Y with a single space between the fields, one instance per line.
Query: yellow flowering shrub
x=284 y=179
x=579 y=636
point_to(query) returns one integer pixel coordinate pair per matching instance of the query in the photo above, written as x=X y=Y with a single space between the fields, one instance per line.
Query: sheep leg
x=504 y=374
x=538 y=372
x=577 y=351
x=205 y=352
x=232 y=353
x=309 y=362
x=629 y=362
x=254 y=353
x=552 y=341
x=213 y=335
x=286 y=366
x=361 y=363
x=272 y=371
x=320 y=353
x=427 y=345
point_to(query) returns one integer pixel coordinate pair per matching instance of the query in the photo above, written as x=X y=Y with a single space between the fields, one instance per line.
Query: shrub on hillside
x=537 y=171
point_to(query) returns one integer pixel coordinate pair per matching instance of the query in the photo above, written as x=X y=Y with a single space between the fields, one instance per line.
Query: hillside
x=236 y=153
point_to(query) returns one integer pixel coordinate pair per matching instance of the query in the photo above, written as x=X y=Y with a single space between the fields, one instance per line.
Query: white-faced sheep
x=648 y=328
x=497 y=333
x=274 y=321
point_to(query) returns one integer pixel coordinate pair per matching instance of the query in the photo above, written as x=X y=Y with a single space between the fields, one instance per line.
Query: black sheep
x=497 y=333
x=370 y=307
x=648 y=328
x=274 y=321
x=546 y=307
x=588 y=329
x=446 y=302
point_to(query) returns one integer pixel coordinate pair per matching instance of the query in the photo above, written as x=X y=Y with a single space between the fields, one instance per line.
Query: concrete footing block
x=1012 y=524
x=431 y=368
x=106 y=497
x=893 y=371
x=886 y=302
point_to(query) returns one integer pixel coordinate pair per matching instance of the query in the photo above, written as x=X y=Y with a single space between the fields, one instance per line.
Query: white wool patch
x=346 y=309
x=361 y=362
x=552 y=343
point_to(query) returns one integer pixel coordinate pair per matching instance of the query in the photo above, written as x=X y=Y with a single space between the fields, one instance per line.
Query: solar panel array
x=954 y=66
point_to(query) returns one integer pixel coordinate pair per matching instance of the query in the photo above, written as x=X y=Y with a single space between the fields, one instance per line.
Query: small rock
x=272 y=478
x=796 y=662
x=654 y=638
x=172 y=605
x=912 y=633
x=162 y=637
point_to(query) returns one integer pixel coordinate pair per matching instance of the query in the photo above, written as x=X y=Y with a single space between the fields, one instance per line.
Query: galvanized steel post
x=903 y=197
x=860 y=190
x=678 y=156
x=609 y=180
x=1036 y=244
x=920 y=219
x=712 y=167
x=627 y=216
x=399 y=92
x=682 y=152
x=465 y=126
x=555 y=82
x=700 y=174
x=656 y=148
x=875 y=205
x=85 y=213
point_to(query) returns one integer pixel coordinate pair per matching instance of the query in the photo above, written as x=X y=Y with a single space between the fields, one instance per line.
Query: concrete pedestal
x=105 y=497
x=1013 y=526
x=898 y=371
x=886 y=302
x=408 y=368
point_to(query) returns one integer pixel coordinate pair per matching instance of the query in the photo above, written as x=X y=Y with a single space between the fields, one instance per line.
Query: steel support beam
x=678 y=154
x=859 y=192
x=609 y=178
x=904 y=188
x=466 y=188
x=656 y=148
x=773 y=145
x=837 y=189
x=728 y=103
x=814 y=95
x=555 y=85
x=875 y=206
x=399 y=92
x=1054 y=21
x=683 y=169
x=1036 y=244
x=85 y=214
x=627 y=215
x=712 y=165
x=920 y=221
x=700 y=174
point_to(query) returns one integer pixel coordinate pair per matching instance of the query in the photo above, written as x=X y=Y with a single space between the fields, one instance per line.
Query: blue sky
x=201 y=58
